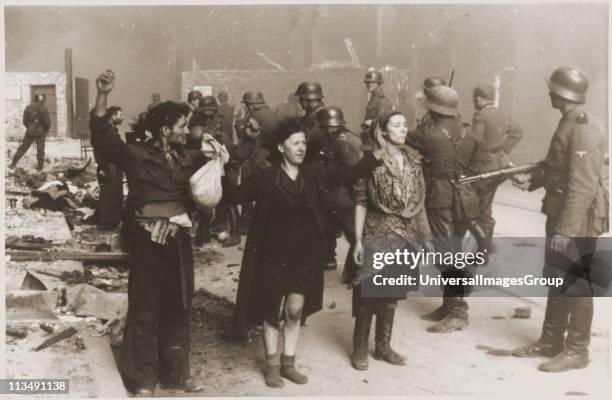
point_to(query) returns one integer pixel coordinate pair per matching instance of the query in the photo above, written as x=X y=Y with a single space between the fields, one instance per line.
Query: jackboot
x=234 y=237
x=361 y=335
x=455 y=320
x=384 y=327
x=439 y=313
x=288 y=370
x=272 y=371
x=555 y=324
x=576 y=352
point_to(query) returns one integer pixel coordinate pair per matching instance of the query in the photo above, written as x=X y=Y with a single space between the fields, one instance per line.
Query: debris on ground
x=522 y=312
x=27 y=242
x=211 y=313
x=16 y=332
x=58 y=337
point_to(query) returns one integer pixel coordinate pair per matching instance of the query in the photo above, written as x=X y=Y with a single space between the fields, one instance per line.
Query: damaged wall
x=18 y=96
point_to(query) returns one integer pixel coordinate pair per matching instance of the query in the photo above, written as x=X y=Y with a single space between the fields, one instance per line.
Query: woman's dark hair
x=383 y=120
x=286 y=128
x=164 y=114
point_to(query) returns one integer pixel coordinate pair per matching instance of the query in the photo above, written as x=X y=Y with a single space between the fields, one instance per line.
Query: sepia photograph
x=231 y=199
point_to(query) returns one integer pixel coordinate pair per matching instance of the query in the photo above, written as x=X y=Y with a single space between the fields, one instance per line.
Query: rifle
x=506 y=171
x=452 y=77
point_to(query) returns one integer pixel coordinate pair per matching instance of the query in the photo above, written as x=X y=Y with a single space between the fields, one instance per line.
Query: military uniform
x=315 y=136
x=499 y=135
x=37 y=123
x=226 y=111
x=449 y=151
x=341 y=150
x=378 y=105
x=574 y=175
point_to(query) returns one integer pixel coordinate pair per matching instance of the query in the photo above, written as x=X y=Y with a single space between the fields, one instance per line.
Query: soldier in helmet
x=378 y=105
x=255 y=130
x=499 y=135
x=574 y=175
x=428 y=84
x=451 y=151
x=194 y=101
x=226 y=111
x=310 y=96
x=342 y=149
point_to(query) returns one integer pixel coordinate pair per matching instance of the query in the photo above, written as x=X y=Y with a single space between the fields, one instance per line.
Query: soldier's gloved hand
x=105 y=82
x=559 y=243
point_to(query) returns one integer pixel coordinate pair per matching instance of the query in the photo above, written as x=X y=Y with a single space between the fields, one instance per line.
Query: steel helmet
x=442 y=100
x=309 y=91
x=253 y=98
x=331 y=116
x=569 y=83
x=432 y=82
x=209 y=103
x=373 y=76
x=194 y=94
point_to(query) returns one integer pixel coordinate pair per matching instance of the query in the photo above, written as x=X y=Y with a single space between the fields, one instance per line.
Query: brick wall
x=341 y=87
x=17 y=87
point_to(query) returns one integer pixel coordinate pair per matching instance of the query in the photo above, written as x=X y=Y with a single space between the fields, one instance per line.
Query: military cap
x=569 y=83
x=373 y=76
x=331 y=116
x=253 y=98
x=485 y=90
x=442 y=100
x=309 y=91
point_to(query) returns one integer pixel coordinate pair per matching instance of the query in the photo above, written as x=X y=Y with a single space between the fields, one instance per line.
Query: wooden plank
x=24 y=255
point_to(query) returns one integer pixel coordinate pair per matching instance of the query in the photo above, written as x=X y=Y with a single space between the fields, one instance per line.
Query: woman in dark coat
x=281 y=265
x=389 y=216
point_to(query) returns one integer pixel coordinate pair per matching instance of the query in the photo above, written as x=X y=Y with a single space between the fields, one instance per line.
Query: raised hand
x=105 y=82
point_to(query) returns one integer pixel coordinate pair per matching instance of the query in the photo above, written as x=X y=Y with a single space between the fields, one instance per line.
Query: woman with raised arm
x=389 y=216
x=281 y=277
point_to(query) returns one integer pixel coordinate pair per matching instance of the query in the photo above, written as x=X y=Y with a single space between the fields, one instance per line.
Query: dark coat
x=259 y=188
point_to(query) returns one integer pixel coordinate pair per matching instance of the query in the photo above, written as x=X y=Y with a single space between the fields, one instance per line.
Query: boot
x=234 y=237
x=288 y=370
x=39 y=166
x=438 y=314
x=361 y=334
x=551 y=341
x=576 y=352
x=384 y=327
x=455 y=320
x=273 y=371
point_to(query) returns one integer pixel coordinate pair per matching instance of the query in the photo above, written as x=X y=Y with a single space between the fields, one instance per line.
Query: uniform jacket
x=268 y=123
x=226 y=111
x=36 y=119
x=498 y=133
x=258 y=188
x=575 y=176
x=378 y=105
x=449 y=150
x=342 y=150
x=314 y=135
